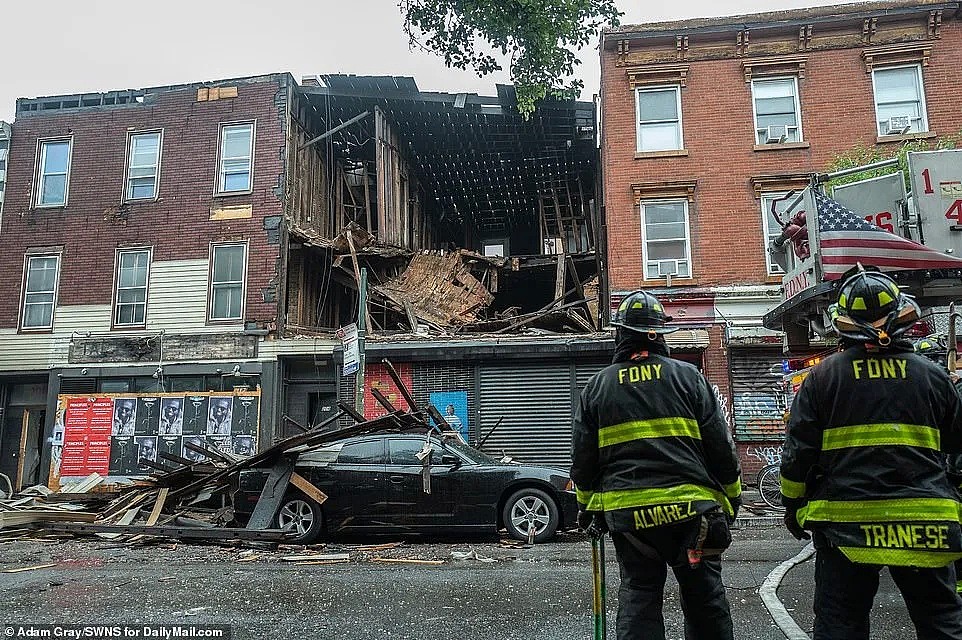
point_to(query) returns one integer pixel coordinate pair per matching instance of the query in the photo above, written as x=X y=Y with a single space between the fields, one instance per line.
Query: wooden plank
x=309 y=489
x=559 y=278
x=38 y=566
x=158 y=506
x=24 y=425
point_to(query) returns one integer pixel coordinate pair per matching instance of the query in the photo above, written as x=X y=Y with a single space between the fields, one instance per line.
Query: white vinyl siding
x=143 y=165
x=658 y=111
x=40 y=291
x=53 y=172
x=133 y=268
x=899 y=93
x=235 y=158
x=228 y=267
x=667 y=243
x=776 y=104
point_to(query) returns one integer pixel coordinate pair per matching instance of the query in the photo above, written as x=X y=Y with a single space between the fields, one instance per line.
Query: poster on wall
x=87 y=425
x=111 y=434
x=377 y=377
x=453 y=405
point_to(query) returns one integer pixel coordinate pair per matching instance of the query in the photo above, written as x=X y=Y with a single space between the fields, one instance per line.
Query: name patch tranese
x=663 y=514
x=639 y=373
x=876 y=368
x=906 y=536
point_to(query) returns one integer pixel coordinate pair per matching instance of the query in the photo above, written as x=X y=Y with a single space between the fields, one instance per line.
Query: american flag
x=845 y=238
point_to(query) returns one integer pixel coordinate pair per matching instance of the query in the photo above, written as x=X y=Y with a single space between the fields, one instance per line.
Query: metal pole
x=953 y=342
x=361 y=333
x=825 y=177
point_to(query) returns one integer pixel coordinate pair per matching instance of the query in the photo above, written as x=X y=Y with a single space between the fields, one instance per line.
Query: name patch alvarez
x=658 y=515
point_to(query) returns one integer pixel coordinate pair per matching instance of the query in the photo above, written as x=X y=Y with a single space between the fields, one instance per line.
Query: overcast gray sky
x=65 y=46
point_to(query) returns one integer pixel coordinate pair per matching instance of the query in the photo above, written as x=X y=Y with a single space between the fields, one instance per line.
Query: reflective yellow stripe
x=792 y=489
x=583 y=497
x=874 y=435
x=641 y=429
x=632 y=498
x=897 y=510
x=734 y=489
x=900 y=557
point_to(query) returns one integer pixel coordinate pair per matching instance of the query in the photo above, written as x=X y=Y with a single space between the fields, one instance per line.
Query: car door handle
x=396 y=479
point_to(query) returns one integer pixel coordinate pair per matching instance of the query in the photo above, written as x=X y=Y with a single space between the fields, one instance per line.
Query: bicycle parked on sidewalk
x=769 y=485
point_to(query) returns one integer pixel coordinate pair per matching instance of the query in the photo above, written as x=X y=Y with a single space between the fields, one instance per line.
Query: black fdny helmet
x=932 y=348
x=872 y=308
x=641 y=312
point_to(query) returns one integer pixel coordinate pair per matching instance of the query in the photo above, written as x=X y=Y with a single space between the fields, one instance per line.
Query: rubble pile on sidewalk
x=184 y=499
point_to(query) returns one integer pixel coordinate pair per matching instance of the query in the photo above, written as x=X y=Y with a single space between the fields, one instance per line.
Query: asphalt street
x=536 y=592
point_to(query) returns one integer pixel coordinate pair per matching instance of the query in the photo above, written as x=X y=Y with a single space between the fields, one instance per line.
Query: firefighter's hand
x=736 y=504
x=791 y=523
x=592 y=522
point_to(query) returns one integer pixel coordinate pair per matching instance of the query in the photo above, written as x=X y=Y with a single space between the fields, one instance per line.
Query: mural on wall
x=759 y=411
x=723 y=403
x=377 y=377
x=453 y=405
x=110 y=434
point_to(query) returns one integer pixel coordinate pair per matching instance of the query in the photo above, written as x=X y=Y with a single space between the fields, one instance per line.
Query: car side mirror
x=447 y=458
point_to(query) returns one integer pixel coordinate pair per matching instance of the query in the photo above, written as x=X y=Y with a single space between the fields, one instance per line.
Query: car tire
x=530 y=506
x=301 y=515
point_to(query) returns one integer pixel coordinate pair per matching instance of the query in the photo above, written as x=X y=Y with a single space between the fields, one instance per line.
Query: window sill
x=141 y=200
x=681 y=282
x=781 y=146
x=38 y=330
x=50 y=206
x=774 y=278
x=905 y=137
x=671 y=153
x=231 y=194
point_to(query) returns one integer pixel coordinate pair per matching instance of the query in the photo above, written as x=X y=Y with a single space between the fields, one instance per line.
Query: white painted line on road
x=775 y=607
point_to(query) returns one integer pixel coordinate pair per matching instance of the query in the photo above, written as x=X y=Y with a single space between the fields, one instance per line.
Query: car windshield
x=470 y=453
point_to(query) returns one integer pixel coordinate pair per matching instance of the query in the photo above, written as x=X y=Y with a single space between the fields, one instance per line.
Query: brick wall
x=177 y=225
x=837 y=106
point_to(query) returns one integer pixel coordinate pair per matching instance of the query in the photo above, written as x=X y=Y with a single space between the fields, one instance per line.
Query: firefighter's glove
x=791 y=523
x=593 y=523
x=736 y=504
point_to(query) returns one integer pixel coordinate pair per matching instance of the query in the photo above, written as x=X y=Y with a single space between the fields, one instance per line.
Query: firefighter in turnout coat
x=863 y=468
x=654 y=463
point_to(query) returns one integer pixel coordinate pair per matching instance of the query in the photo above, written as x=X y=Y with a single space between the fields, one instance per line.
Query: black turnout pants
x=844 y=592
x=641 y=595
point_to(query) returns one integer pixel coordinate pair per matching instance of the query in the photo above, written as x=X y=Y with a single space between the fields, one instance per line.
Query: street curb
x=786 y=623
x=758 y=521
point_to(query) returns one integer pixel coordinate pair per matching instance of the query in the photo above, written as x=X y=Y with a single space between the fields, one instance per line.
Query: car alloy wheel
x=531 y=509
x=301 y=517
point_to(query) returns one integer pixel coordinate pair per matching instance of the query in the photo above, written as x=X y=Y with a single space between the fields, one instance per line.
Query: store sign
x=799 y=279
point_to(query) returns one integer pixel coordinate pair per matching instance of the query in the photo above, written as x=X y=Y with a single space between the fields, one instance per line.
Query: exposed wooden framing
x=580 y=291
x=561 y=227
x=367 y=199
x=559 y=276
x=412 y=319
x=24 y=426
x=575 y=227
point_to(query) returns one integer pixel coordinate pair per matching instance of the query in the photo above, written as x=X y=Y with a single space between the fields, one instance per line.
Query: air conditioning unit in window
x=897 y=125
x=776 y=133
x=667 y=268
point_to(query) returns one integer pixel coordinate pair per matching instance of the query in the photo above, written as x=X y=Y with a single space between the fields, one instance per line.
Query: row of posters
x=111 y=434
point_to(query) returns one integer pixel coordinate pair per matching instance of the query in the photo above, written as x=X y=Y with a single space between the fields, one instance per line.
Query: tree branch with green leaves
x=541 y=39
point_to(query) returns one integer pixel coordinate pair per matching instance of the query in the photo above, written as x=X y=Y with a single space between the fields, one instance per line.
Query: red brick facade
x=177 y=224
x=720 y=167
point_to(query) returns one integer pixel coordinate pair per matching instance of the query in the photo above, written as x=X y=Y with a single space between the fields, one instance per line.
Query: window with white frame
x=227 y=281
x=53 y=173
x=899 y=100
x=772 y=230
x=778 y=116
x=658 y=112
x=143 y=165
x=133 y=269
x=236 y=153
x=4 y=150
x=40 y=291
x=667 y=243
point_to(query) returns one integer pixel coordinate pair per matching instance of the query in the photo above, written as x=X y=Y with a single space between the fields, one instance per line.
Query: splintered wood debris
x=439 y=288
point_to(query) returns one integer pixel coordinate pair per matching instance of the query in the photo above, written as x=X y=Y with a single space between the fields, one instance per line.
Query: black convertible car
x=374 y=484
